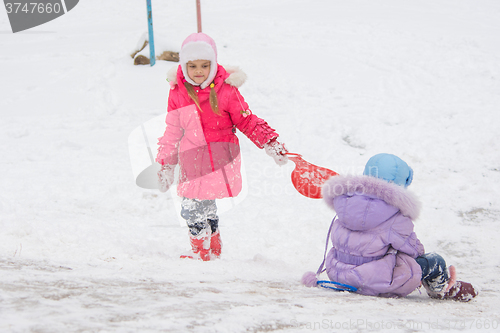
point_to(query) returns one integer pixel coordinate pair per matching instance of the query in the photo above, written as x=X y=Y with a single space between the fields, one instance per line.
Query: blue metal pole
x=151 y=35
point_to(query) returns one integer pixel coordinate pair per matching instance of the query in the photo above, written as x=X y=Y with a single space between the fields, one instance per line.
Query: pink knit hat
x=199 y=46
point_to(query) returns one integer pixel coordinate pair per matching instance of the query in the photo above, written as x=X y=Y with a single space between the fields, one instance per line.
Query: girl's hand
x=277 y=151
x=166 y=177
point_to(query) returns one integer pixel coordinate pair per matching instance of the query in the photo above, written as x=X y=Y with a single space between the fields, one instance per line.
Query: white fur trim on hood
x=198 y=50
x=394 y=195
x=236 y=76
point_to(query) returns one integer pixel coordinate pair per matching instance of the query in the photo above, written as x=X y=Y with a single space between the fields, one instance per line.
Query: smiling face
x=198 y=70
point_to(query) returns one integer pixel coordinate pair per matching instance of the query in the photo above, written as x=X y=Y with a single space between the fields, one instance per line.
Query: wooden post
x=198 y=14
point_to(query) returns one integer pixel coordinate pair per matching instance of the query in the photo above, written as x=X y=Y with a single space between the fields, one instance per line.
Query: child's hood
x=231 y=75
x=366 y=201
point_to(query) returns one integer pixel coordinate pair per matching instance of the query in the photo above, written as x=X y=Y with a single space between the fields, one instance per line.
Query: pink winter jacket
x=203 y=143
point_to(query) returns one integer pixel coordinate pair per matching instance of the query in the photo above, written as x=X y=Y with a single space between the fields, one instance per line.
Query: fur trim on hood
x=199 y=46
x=394 y=195
x=236 y=76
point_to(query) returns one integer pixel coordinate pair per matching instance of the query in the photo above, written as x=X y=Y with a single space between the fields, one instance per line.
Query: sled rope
x=331 y=284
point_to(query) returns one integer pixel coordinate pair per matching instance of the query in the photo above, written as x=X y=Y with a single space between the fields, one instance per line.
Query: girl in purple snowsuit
x=374 y=246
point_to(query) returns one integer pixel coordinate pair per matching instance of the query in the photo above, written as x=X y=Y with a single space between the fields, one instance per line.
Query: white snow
x=83 y=249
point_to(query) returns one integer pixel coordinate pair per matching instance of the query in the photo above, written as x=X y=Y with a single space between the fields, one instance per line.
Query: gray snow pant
x=200 y=215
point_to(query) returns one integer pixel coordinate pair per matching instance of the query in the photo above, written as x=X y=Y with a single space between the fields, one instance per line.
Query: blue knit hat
x=390 y=168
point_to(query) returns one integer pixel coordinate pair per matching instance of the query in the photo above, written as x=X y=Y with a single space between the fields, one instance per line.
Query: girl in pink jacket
x=204 y=110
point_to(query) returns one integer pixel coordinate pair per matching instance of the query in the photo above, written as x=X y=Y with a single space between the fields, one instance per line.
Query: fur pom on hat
x=199 y=46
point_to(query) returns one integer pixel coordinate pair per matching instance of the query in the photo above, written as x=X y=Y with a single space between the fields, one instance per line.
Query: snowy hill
x=83 y=249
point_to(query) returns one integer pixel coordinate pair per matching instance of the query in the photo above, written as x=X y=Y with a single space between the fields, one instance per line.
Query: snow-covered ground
x=83 y=249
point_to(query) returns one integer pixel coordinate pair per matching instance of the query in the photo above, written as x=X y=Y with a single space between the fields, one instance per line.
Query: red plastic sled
x=308 y=178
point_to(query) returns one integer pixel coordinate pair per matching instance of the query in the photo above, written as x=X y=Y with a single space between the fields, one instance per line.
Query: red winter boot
x=216 y=244
x=460 y=291
x=200 y=248
x=456 y=290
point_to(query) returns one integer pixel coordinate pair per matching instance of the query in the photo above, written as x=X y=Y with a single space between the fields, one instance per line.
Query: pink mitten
x=166 y=177
x=277 y=151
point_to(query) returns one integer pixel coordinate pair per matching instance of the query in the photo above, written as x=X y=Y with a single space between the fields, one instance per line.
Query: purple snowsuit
x=374 y=245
